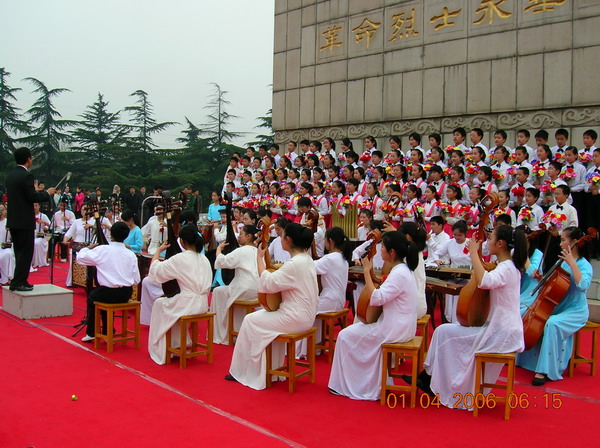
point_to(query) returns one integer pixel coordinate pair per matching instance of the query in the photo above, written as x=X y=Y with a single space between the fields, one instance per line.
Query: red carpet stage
x=125 y=399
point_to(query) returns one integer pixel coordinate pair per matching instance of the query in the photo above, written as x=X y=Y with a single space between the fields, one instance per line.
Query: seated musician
x=155 y=229
x=356 y=370
x=365 y=217
x=454 y=253
x=244 y=285
x=550 y=356
x=297 y=282
x=436 y=237
x=40 y=249
x=333 y=269
x=135 y=240
x=450 y=363
x=63 y=220
x=275 y=250
x=304 y=206
x=418 y=236
x=193 y=273
x=117 y=269
x=360 y=251
x=82 y=231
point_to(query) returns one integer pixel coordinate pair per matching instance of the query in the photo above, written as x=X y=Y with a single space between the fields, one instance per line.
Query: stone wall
x=380 y=67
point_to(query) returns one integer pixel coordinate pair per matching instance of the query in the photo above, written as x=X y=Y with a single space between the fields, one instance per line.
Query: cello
x=552 y=289
x=269 y=301
x=364 y=310
x=473 y=304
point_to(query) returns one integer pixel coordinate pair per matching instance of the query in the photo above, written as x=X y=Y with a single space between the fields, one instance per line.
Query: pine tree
x=10 y=122
x=265 y=122
x=99 y=135
x=46 y=136
x=219 y=119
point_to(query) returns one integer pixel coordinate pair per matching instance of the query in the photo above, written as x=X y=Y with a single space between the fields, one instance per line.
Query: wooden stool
x=288 y=370
x=182 y=351
x=327 y=342
x=423 y=329
x=577 y=357
x=126 y=334
x=480 y=384
x=405 y=350
x=248 y=305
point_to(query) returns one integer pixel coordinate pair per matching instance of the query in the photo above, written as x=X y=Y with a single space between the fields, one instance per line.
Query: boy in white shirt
x=561 y=194
x=436 y=238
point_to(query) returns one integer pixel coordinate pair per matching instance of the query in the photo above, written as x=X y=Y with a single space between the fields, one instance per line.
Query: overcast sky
x=172 y=49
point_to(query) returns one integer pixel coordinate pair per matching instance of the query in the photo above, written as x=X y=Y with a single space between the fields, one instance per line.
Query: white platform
x=43 y=301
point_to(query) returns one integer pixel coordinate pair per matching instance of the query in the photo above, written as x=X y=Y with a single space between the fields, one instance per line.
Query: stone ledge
x=44 y=301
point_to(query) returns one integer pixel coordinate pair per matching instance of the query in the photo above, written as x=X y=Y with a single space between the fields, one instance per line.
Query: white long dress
x=333 y=269
x=243 y=286
x=356 y=370
x=40 y=246
x=297 y=282
x=451 y=357
x=194 y=275
x=457 y=255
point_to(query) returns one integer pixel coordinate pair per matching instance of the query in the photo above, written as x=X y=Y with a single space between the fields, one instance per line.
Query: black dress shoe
x=28 y=284
x=229 y=377
x=539 y=381
x=20 y=288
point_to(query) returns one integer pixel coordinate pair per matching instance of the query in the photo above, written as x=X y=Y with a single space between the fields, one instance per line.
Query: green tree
x=141 y=156
x=47 y=129
x=219 y=119
x=266 y=123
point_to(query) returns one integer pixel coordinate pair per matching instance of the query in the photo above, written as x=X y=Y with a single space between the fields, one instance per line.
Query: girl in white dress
x=297 y=282
x=244 y=285
x=356 y=370
x=194 y=276
x=450 y=363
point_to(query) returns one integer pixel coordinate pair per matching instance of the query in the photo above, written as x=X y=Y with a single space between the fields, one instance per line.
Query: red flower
x=466 y=250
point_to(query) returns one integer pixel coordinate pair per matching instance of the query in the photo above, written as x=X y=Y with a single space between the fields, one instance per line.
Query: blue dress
x=213 y=212
x=528 y=283
x=552 y=352
x=135 y=240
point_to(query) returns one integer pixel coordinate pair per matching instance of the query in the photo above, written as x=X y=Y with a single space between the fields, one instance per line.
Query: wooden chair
x=327 y=342
x=249 y=306
x=480 y=384
x=406 y=350
x=423 y=329
x=197 y=348
x=577 y=357
x=288 y=370
x=133 y=307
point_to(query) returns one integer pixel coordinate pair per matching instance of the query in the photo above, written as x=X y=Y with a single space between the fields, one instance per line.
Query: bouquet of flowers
x=567 y=174
x=585 y=157
x=267 y=201
x=472 y=169
x=369 y=173
x=466 y=213
x=388 y=169
x=559 y=157
x=538 y=171
x=518 y=191
x=511 y=171
x=498 y=176
x=512 y=158
x=498 y=211
x=554 y=219
x=418 y=207
x=548 y=188
x=593 y=179
x=526 y=214
x=341 y=157
x=365 y=157
x=365 y=205
x=451 y=148
x=428 y=166
x=446 y=172
x=283 y=203
x=345 y=201
x=445 y=207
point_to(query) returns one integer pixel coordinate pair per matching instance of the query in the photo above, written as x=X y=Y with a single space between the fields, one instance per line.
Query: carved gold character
x=365 y=31
x=489 y=8
x=331 y=38
x=444 y=17
x=538 y=6
x=399 y=22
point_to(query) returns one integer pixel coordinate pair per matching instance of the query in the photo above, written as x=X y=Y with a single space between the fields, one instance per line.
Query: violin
x=269 y=301
x=364 y=309
x=473 y=304
x=552 y=289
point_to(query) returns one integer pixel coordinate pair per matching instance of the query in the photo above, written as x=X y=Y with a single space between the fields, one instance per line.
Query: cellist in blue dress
x=550 y=356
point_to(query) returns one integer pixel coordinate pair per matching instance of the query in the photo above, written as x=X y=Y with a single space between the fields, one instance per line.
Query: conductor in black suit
x=22 y=194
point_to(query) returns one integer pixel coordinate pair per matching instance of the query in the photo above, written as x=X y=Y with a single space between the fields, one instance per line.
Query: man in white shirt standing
x=117 y=272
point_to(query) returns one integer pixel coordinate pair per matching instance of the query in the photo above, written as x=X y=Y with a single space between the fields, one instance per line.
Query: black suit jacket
x=21 y=197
